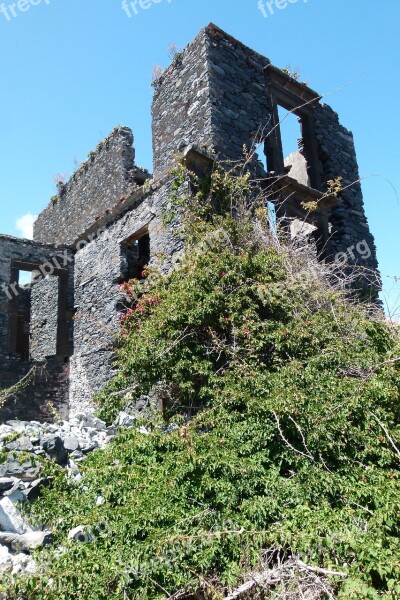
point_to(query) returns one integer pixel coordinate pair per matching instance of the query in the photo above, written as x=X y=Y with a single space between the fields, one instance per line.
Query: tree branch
x=392 y=443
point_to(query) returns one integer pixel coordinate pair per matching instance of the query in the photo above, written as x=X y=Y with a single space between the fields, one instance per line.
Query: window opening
x=135 y=255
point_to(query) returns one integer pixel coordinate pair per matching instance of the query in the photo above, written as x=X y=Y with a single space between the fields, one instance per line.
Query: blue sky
x=71 y=70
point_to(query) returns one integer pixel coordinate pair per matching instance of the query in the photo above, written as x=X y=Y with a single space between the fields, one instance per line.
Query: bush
x=280 y=432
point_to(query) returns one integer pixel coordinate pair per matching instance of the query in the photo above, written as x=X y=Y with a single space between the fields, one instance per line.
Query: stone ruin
x=105 y=224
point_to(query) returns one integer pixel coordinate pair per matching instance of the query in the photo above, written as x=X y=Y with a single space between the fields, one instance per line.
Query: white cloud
x=25 y=225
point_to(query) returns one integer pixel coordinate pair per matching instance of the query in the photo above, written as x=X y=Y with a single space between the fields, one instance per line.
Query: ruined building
x=105 y=224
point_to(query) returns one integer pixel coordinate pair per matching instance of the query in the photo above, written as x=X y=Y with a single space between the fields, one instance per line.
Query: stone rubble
x=66 y=443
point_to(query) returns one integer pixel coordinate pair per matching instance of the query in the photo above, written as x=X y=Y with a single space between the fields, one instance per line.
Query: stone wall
x=51 y=380
x=12 y=370
x=95 y=187
x=99 y=269
x=181 y=108
x=212 y=96
x=27 y=255
x=44 y=318
x=338 y=158
x=215 y=96
x=45 y=398
x=241 y=113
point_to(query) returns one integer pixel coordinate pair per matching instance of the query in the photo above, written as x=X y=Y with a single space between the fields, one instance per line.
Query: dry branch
x=389 y=437
x=306 y=575
x=9 y=392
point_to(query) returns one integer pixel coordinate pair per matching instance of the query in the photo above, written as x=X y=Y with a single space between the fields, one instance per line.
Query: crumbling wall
x=99 y=269
x=182 y=107
x=44 y=318
x=96 y=186
x=21 y=254
x=14 y=251
x=349 y=225
x=213 y=96
x=44 y=398
x=241 y=113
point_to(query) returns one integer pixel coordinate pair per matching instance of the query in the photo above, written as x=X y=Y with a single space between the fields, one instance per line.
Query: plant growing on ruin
x=335 y=186
x=172 y=50
x=59 y=181
x=174 y=54
x=278 y=450
x=157 y=74
x=293 y=74
x=14 y=390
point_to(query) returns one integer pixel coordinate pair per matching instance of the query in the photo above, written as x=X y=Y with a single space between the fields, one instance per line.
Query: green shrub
x=281 y=428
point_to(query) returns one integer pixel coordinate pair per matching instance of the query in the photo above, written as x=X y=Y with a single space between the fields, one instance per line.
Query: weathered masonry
x=59 y=294
x=35 y=324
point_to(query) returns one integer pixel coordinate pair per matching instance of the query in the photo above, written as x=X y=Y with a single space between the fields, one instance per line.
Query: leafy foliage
x=281 y=426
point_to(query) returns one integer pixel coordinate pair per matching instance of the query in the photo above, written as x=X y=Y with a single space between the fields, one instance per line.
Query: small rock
x=14 y=488
x=78 y=535
x=28 y=542
x=22 y=444
x=6 y=483
x=218 y=70
x=22 y=562
x=5 y=431
x=77 y=455
x=142 y=403
x=71 y=443
x=54 y=447
x=90 y=448
x=125 y=420
x=144 y=431
x=52 y=428
x=18 y=426
x=25 y=471
x=6 y=539
x=94 y=422
x=11 y=519
x=6 y=563
x=15 y=496
x=33 y=491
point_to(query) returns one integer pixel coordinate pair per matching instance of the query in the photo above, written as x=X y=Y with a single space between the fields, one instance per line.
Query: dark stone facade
x=217 y=99
x=213 y=96
x=44 y=398
x=108 y=174
x=44 y=318
x=221 y=95
x=184 y=88
x=99 y=269
x=35 y=326
x=338 y=158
